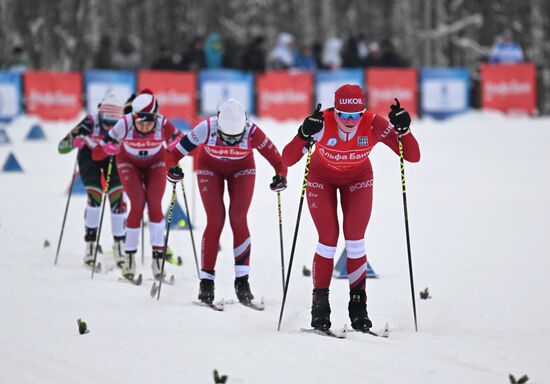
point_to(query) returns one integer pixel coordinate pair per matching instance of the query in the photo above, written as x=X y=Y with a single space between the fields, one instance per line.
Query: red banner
x=509 y=88
x=385 y=84
x=175 y=92
x=53 y=95
x=284 y=95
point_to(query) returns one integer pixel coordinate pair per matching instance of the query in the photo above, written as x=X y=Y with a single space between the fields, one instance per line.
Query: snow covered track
x=478 y=212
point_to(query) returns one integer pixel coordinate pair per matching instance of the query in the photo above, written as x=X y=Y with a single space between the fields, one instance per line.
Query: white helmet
x=110 y=109
x=231 y=118
x=145 y=106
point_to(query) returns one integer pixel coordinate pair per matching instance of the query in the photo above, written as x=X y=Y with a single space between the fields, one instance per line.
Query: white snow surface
x=479 y=222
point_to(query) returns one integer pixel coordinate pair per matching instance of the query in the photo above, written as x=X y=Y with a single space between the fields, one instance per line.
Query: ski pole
x=142 y=242
x=66 y=210
x=105 y=194
x=190 y=227
x=169 y=224
x=402 y=164
x=281 y=238
x=302 y=194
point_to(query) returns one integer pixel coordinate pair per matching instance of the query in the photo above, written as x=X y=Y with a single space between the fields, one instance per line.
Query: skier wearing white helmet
x=139 y=142
x=228 y=139
x=86 y=136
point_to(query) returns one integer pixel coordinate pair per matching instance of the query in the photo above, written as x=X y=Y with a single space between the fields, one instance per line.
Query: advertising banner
x=284 y=95
x=386 y=84
x=99 y=83
x=175 y=92
x=10 y=95
x=510 y=88
x=445 y=91
x=217 y=85
x=53 y=95
x=327 y=82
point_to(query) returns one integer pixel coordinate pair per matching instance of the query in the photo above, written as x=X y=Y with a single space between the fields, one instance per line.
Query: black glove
x=174 y=174
x=312 y=124
x=278 y=184
x=128 y=104
x=400 y=118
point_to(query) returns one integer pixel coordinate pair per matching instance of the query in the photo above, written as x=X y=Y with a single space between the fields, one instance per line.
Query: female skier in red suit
x=138 y=141
x=226 y=155
x=344 y=137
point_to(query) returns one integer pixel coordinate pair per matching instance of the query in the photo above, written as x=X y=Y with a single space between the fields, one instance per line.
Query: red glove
x=111 y=148
x=79 y=142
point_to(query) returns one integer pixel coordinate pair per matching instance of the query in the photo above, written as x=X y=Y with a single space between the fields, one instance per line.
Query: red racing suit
x=218 y=162
x=340 y=162
x=141 y=165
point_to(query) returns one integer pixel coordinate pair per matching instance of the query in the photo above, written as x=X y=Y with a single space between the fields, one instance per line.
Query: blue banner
x=327 y=82
x=10 y=95
x=444 y=91
x=216 y=86
x=99 y=83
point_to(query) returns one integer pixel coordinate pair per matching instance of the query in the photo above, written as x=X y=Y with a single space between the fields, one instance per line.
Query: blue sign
x=10 y=95
x=217 y=85
x=99 y=83
x=327 y=82
x=444 y=91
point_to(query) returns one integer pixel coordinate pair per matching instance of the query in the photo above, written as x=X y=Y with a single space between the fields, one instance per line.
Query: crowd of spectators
x=216 y=51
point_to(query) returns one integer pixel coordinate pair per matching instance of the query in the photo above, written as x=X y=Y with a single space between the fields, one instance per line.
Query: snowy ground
x=479 y=213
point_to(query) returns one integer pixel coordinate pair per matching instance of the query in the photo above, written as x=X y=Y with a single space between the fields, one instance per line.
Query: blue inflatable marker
x=4 y=138
x=36 y=133
x=11 y=164
x=340 y=270
x=78 y=186
x=179 y=218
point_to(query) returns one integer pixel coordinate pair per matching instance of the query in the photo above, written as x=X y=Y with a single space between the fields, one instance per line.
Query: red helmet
x=145 y=106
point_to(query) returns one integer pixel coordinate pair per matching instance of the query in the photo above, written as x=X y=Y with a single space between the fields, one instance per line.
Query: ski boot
x=320 y=309
x=156 y=265
x=242 y=289
x=206 y=291
x=118 y=247
x=129 y=265
x=90 y=238
x=357 y=309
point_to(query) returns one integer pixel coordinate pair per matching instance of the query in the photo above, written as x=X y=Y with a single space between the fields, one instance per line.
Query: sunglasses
x=350 y=115
x=230 y=139
x=145 y=116
x=108 y=122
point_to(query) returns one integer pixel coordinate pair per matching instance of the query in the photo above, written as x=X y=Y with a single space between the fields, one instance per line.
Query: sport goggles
x=230 y=139
x=350 y=115
x=145 y=116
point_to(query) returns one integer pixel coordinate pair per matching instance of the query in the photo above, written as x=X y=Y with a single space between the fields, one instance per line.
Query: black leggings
x=90 y=171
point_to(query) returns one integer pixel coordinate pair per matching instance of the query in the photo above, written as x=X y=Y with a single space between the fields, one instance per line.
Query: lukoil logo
x=351 y=101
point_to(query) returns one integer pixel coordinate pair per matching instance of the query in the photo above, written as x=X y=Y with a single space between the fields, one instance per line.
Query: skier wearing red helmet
x=139 y=142
x=344 y=137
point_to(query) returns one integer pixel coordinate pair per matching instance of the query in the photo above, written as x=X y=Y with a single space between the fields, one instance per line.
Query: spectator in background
x=127 y=57
x=305 y=59
x=213 y=51
x=362 y=49
x=332 y=57
x=374 y=56
x=232 y=57
x=18 y=62
x=103 y=58
x=390 y=57
x=194 y=59
x=318 y=53
x=350 y=54
x=282 y=56
x=254 y=55
x=164 y=60
x=506 y=51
